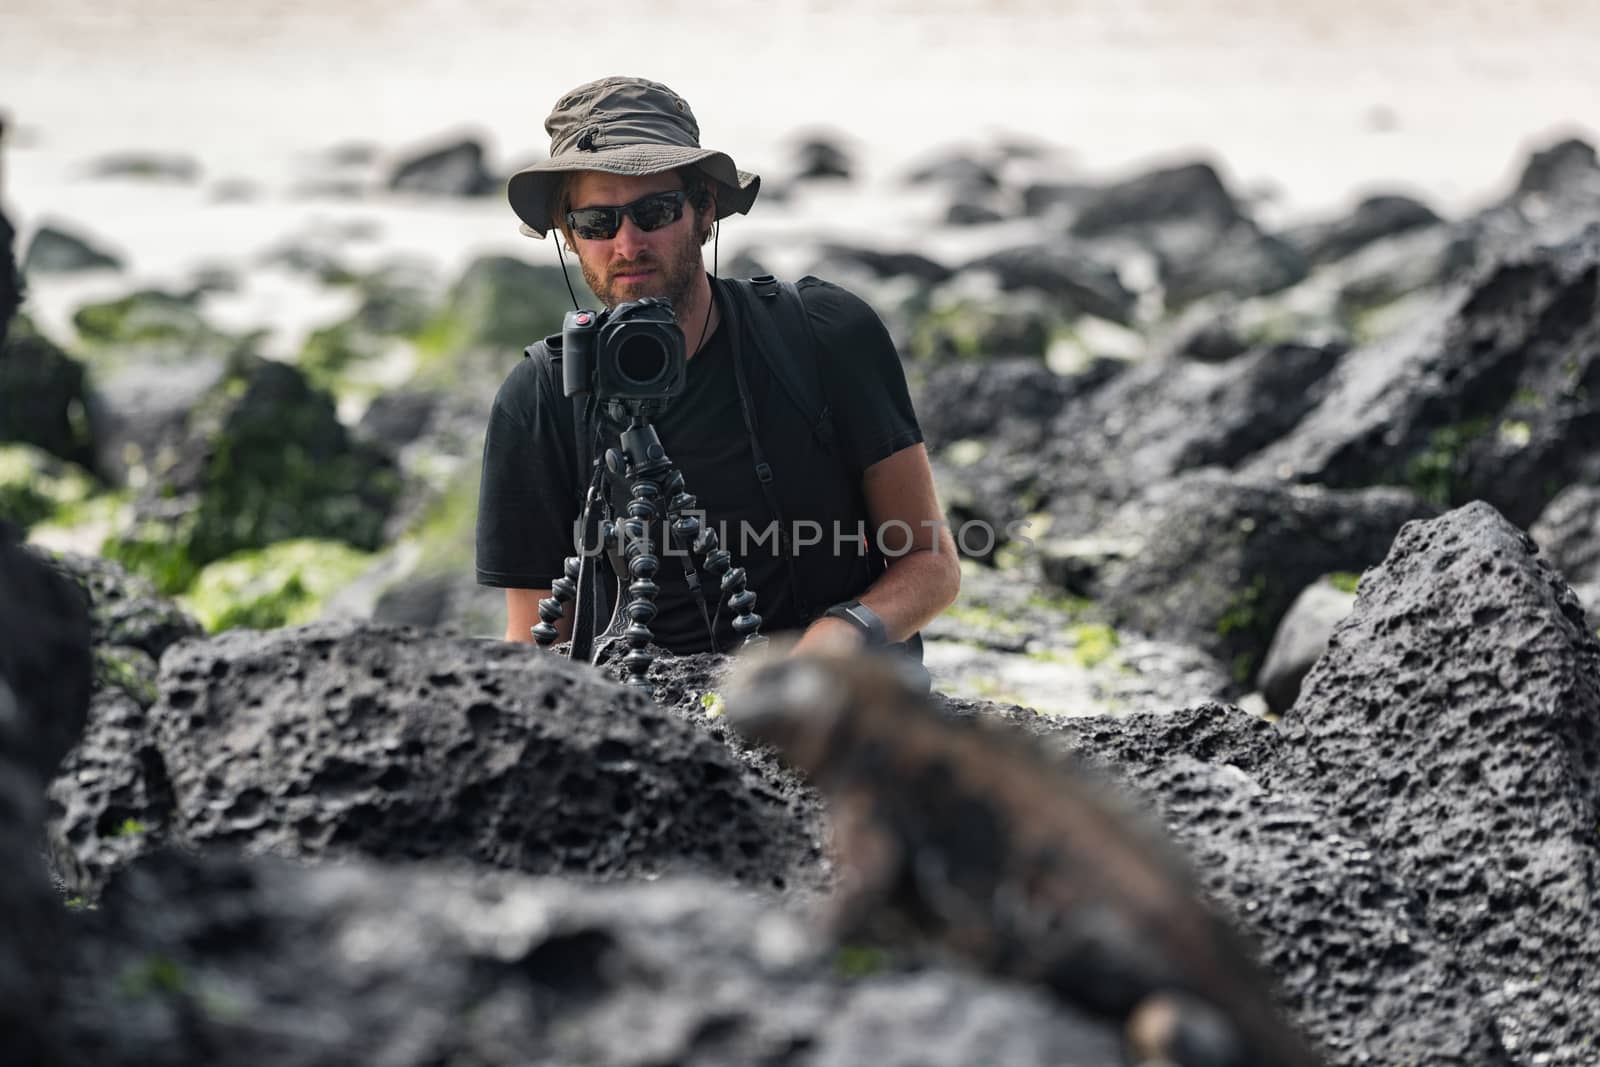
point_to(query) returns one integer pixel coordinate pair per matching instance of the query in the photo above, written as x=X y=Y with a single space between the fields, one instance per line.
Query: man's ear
x=705 y=213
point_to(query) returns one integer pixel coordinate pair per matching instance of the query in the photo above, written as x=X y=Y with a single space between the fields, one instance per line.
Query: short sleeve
x=865 y=383
x=528 y=500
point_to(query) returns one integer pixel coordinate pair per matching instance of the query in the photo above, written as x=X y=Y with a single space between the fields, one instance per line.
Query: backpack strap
x=784 y=335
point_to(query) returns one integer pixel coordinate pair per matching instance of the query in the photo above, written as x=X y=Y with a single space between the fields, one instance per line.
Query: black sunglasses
x=648 y=213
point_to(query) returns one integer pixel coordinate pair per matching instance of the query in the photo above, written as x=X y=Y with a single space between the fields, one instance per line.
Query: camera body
x=630 y=353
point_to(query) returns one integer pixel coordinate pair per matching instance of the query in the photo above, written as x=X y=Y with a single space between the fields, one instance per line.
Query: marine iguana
x=966 y=836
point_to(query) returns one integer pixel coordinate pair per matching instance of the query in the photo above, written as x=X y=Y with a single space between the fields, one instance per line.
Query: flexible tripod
x=653 y=479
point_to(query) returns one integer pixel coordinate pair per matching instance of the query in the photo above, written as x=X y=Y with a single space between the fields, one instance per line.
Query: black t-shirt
x=532 y=489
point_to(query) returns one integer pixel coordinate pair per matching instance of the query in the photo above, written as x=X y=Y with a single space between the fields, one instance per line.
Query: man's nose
x=630 y=240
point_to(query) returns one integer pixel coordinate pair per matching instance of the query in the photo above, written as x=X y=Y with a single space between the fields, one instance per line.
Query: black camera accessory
x=648 y=213
x=656 y=491
x=632 y=354
x=862 y=618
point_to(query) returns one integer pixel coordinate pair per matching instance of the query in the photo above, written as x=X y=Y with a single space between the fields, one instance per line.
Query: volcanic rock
x=146 y=166
x=1568 y=532
x=1001 y=401
x=1374 y=219
x=884 y=264
x=57 y=250
x=1164 y=416
x=1071 y=279
x=44 y=397
x=455 y=169
x=956 y=169
x=44 y=698
x=228 y=961
x=1192 y=192
x=125 y=611
x=1302 y=637
x=1242 y=262
x=1484 y=398
x=1216 y=562
x=1455 y=723
x=821 y=156
x=263 y=458
x=352 y=738
x=10 y=281
x=1566 y=170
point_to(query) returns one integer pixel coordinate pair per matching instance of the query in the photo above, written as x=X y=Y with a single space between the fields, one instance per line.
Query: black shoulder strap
x=783 y=333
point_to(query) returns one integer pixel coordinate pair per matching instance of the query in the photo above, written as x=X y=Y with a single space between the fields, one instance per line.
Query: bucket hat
x=623 y=126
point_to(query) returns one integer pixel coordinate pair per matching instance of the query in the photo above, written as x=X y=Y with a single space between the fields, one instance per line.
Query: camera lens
x=642 y=359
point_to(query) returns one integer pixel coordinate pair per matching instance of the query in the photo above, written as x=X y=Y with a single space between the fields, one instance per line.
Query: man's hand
x=522 y=614
x=828 y=633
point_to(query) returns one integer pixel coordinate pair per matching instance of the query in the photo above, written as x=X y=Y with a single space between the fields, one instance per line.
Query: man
x=636 y=198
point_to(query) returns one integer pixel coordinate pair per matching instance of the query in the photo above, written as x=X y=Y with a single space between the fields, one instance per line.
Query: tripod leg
x=742 y=600
x=643 y=565
x=563 y=590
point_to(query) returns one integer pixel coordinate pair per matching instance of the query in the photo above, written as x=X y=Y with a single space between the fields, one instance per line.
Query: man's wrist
x=874 y=632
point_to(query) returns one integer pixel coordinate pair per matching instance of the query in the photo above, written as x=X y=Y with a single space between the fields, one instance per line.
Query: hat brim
x=530 y=189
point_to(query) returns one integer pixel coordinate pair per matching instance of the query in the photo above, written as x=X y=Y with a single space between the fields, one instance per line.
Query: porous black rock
x=1484 y=398
x=1005 y=401
x=347 y=738
x=125 y=611
x=1190 y=192
x=46 y=667
x=884 y=264
x=972 y=213
x=1332 y=921
x=10 y=281
x=1070 y=277
x=1241 y=261
x=1568 y=533
x=988 y=424
x=1564 y=169
x=1042 y=197
x=224 y=961
x=261 y=458
x=1334 y=929
x=45 y=396
x=821 y=156
x=45 y=680
x=1169 y=415
x=1455 y=722
x=691 y=688
x=111 y=800
x=1206 y=336
x=453 y=169
x=957 y=169
x=58 y=250
x=398 y=417
x=1215 y=561
x=1301 y=638
x=1374 y=219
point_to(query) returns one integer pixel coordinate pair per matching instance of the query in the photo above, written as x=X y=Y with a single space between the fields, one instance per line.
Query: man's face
x=632 y=263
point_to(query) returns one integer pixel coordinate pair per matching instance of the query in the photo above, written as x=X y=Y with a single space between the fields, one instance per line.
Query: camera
x=632 y=352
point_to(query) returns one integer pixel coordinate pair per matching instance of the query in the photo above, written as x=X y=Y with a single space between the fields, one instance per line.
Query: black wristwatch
x=862 y=618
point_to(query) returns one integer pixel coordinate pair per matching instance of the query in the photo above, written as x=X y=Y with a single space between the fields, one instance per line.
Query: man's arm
x=919 y=583
x=527 y=500
x=522 y=614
